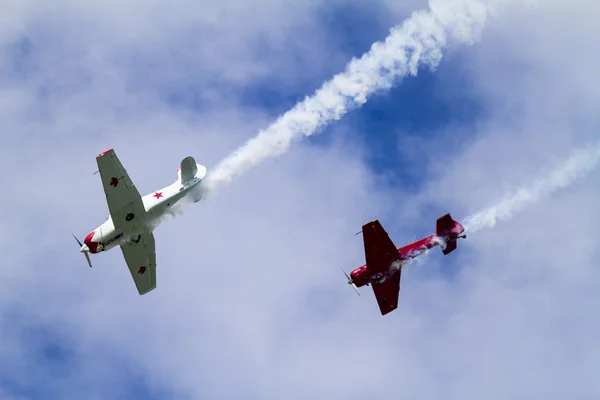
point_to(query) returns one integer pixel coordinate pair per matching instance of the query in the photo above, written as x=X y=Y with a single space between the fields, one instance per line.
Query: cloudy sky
x=251 y=301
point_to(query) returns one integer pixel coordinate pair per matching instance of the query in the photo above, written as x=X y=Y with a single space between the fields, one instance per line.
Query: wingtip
x=148 y=290
x=104 y=153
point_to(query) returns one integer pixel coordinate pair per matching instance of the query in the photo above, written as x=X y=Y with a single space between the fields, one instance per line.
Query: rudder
x=447 y=230
x=444 y=225
x=188 y=169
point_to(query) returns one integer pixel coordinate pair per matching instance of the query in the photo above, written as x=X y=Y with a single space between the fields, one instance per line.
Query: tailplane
x=450 y=246
x=449 y=230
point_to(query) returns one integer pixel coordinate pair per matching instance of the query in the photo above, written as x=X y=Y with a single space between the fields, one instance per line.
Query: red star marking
x=142 y=270
x=114 y=181
x=158 y=195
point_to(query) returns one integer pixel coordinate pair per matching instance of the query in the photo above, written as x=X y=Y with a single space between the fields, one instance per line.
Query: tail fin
x=448 y=230
x=444 y=225
x=190 y=170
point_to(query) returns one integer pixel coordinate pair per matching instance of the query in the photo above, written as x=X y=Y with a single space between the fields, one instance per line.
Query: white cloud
x=250 y=297
x=523 y=326
x=228 y=252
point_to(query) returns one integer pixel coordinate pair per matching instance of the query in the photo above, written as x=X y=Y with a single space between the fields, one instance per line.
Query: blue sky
x=250 y=299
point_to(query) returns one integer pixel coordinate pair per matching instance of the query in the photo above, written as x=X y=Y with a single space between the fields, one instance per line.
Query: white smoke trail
x=418 y=41
x=580 y=163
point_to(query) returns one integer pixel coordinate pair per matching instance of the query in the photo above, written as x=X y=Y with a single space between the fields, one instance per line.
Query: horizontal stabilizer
x=450 y=246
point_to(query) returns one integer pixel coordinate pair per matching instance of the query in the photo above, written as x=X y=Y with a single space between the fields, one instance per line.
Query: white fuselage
x=156 y=204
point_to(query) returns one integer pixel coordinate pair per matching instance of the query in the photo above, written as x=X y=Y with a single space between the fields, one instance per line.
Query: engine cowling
x=360 y=276
x=94 y=246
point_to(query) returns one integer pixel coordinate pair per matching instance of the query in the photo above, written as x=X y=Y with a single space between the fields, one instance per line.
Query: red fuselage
x=362 y=276
x=447 y=231
x=384 y=261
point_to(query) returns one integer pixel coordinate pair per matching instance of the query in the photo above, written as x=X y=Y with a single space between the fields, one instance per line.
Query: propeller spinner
x=351 y=282
x=85 y=250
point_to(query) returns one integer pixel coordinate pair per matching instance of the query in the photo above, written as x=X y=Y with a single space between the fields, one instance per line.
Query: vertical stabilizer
x=448 y=230
x=188 y=169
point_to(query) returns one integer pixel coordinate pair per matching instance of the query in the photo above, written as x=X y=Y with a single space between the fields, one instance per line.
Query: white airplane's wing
x=140 y=257
x=123 y=199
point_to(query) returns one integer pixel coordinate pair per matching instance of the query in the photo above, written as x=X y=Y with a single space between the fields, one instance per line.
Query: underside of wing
x=379 y=248
x=123 y=198
x=387 y=293
x=140 y=257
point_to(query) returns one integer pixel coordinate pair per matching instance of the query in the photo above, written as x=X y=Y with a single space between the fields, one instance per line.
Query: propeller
x=85 y=250
x=351 y=282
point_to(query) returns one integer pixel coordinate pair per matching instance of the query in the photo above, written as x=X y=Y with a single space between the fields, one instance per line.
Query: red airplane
x=384 y=261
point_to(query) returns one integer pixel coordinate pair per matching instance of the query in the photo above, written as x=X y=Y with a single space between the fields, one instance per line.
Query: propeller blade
x=80 y=245
x=85 y=253
x=350 y=282
x=347 y=277
x=87 y=257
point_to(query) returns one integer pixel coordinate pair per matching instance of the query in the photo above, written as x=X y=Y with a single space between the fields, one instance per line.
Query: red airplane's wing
x=387 y=293
x=379 y=248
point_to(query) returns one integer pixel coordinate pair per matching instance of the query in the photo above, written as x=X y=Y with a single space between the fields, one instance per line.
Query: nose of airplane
x=90 y=245
x=85 y=247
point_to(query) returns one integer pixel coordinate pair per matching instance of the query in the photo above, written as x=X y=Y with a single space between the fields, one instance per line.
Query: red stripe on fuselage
x=93 y=246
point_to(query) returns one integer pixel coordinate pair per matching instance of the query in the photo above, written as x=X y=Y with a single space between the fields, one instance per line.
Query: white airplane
x=133 y=217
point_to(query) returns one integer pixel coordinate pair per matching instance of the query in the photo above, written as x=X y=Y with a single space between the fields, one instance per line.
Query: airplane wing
x=387 y=293
x=140 y=257
x=123 y=199
x=379 y=248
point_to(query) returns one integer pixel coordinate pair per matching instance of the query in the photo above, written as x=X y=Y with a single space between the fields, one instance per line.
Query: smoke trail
x=418 y=41
x=579 y=164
